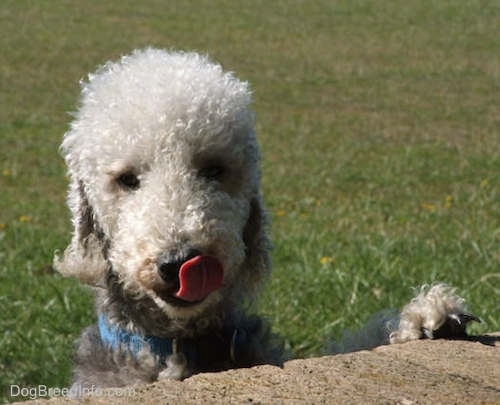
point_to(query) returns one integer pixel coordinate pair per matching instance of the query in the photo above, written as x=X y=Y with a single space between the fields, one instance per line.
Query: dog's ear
x=85 y=257
x=258 y=245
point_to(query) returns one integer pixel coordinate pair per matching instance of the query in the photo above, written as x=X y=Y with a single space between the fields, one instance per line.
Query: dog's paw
x=435 y=312
x=454 y=326
x=177 y=368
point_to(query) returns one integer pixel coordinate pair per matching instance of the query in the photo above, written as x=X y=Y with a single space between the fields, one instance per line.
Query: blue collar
x=116 y=337
x=228 y=345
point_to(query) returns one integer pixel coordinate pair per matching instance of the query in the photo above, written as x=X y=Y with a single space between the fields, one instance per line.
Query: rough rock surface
x=420 y=372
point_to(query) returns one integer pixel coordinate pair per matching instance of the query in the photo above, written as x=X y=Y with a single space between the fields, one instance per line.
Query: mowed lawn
x=379 y=127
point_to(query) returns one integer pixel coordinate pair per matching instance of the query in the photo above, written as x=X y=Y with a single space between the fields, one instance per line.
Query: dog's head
x=165 y=182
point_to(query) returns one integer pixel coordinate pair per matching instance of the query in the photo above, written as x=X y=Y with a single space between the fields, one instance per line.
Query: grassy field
x=379 y=125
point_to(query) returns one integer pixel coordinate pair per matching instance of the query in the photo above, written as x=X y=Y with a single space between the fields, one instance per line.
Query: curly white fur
x=163 y=117
x=427 y=312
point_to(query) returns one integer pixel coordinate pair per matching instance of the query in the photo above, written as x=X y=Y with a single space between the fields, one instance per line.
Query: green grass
x=379 y=128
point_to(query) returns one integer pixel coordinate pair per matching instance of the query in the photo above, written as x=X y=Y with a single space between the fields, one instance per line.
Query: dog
x=170 y=228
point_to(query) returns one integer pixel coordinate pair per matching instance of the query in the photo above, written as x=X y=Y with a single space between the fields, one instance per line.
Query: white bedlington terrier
x=170 y=229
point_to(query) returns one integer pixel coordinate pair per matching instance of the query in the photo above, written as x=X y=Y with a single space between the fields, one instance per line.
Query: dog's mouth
x=193 y=280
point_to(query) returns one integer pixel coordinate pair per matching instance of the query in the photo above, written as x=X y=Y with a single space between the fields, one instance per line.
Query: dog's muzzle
x=194 y=276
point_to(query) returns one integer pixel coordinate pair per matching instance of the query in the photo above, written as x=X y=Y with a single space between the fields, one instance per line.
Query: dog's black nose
x=169 y=264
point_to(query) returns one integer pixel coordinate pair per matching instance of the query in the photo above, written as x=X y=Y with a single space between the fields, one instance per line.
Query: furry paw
x=435 y=312
x=177 y=368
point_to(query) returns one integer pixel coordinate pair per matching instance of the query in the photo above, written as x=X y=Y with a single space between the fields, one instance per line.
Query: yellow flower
x=484 y=183
x=447 y=201
x=2 y=225
x=24 y=218
x=6 y=172
x=326 y=259
x=428 y=206
x=280 y=213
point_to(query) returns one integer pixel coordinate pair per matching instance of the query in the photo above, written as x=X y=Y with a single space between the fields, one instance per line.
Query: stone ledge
x=420 y=372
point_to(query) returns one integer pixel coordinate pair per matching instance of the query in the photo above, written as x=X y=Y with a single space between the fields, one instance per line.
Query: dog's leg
x=375 y=332
x=435 y=312
x=177 y=365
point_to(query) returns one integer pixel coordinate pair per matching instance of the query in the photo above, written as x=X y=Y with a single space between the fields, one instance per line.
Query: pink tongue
x=198 y=277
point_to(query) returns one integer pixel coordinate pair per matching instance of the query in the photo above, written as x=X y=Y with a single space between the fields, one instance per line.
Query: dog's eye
x=212 y=172
x=128 y=181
